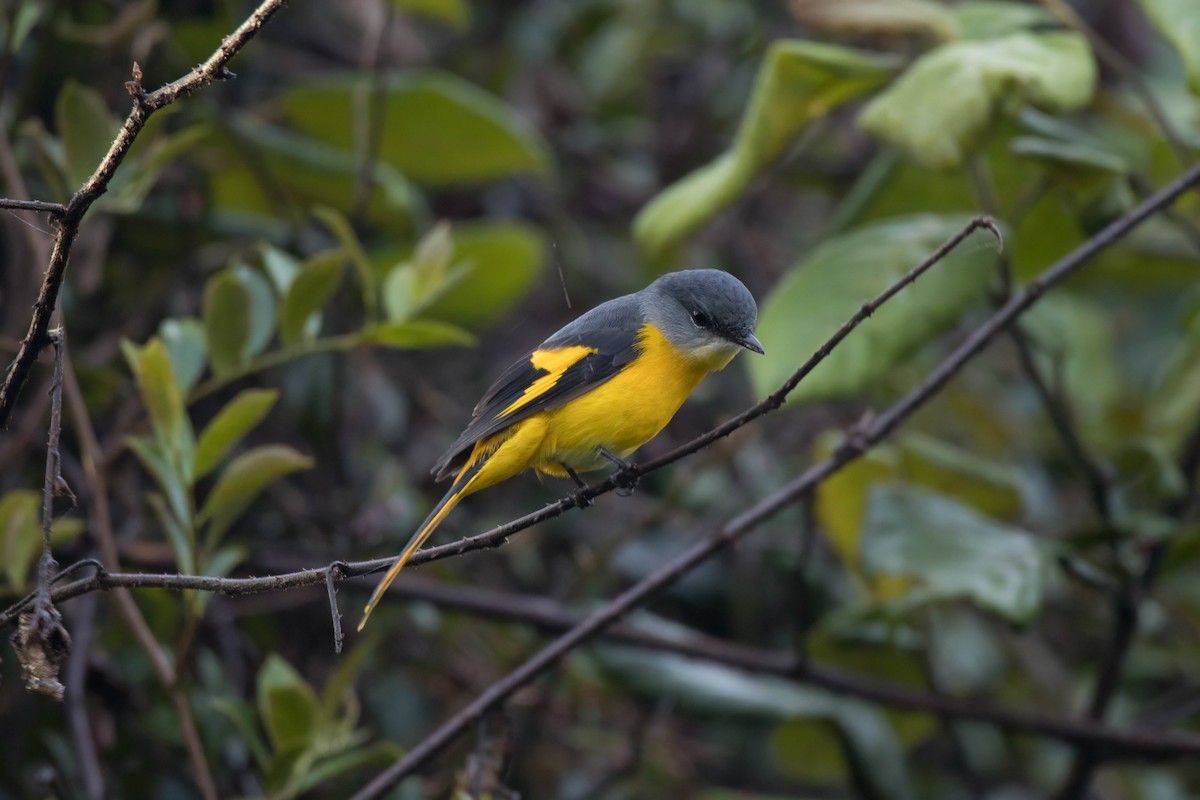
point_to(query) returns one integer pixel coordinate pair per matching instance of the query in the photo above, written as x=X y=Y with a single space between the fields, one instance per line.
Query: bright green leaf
x=310 y=291
x=949 y=551
x=188 y=349
x=437 y=129
x=415 y=333
x=940 y=108
x=798 y=82
x=242 y=481
x=164 y=403
x=235 y=420
x=175 y=512
x=412 y=285
x=86 y=129
x=1179 y=22
x=226 y=321
x=820 y=294
x=500 y=262
x=287 y=706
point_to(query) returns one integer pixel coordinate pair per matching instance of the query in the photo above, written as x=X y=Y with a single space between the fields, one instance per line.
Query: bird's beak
x=750 y=342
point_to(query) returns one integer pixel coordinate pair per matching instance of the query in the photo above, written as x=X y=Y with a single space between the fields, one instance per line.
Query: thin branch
x=70 y=218
x=333 y=573
x=55 y=209
x=427 y=749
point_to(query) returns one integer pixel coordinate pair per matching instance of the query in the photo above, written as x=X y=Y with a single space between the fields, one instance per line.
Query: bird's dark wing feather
x=608 y=350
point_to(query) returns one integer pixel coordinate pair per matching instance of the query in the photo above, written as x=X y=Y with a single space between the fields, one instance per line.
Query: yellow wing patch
x=555 y=363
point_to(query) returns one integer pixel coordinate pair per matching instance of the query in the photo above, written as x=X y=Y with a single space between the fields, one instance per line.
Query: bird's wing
x=571 y=363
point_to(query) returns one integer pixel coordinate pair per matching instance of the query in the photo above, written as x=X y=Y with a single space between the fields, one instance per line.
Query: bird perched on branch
x=595 y=391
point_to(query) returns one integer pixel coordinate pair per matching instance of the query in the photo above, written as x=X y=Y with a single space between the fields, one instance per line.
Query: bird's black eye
x=700 y=318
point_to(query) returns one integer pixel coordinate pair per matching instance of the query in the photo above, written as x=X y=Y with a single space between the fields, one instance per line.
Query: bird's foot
x=625 y=477
x=578 y=497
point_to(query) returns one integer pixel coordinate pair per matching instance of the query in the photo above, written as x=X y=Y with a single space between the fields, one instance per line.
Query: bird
x=595 y=391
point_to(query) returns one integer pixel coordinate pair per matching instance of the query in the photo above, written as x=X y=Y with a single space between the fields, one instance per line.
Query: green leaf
x=312 y=172
x=164 y=403
x=1073 y=345
x=500 y=263
x=1068 y=155
x=990 y=487
x=941 y=107
x=415 y=333
x=188 y=348
x=842 y=498
x=86 y=129
x=310 y=291
x=242 y=481
x=353 y=249
x=179 y=533
x=262 y=313
x=239 y=416
x=412 y=285
x=949 y=551
x=991 y=19
x=437 y=129
x=376 y=754
x=175 y=512
x=20 y=533
x=287 y=706
x=798 y=83
x=281 y=267
x=813 y=300
x=876 y=17
x=226 y=321
x=132 y=183
x=1179 y=23
x=454 y=13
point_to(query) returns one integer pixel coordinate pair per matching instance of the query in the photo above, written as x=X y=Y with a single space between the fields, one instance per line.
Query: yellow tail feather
x=457 y=491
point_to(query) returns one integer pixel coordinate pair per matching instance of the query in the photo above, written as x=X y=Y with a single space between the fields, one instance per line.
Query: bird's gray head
x=706 y=313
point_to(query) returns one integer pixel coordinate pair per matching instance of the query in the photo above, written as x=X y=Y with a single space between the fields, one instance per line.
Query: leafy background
x=302 y=279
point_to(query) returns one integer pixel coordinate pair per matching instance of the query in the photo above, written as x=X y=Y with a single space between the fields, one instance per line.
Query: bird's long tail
x=458 y=490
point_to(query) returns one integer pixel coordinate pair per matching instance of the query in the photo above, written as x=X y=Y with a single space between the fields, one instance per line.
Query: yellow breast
x=627 y=411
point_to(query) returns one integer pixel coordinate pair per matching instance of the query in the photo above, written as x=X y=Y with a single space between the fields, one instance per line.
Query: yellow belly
x=622 y=414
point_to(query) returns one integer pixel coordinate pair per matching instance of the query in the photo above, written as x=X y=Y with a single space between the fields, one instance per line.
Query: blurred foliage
x=300 y=281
